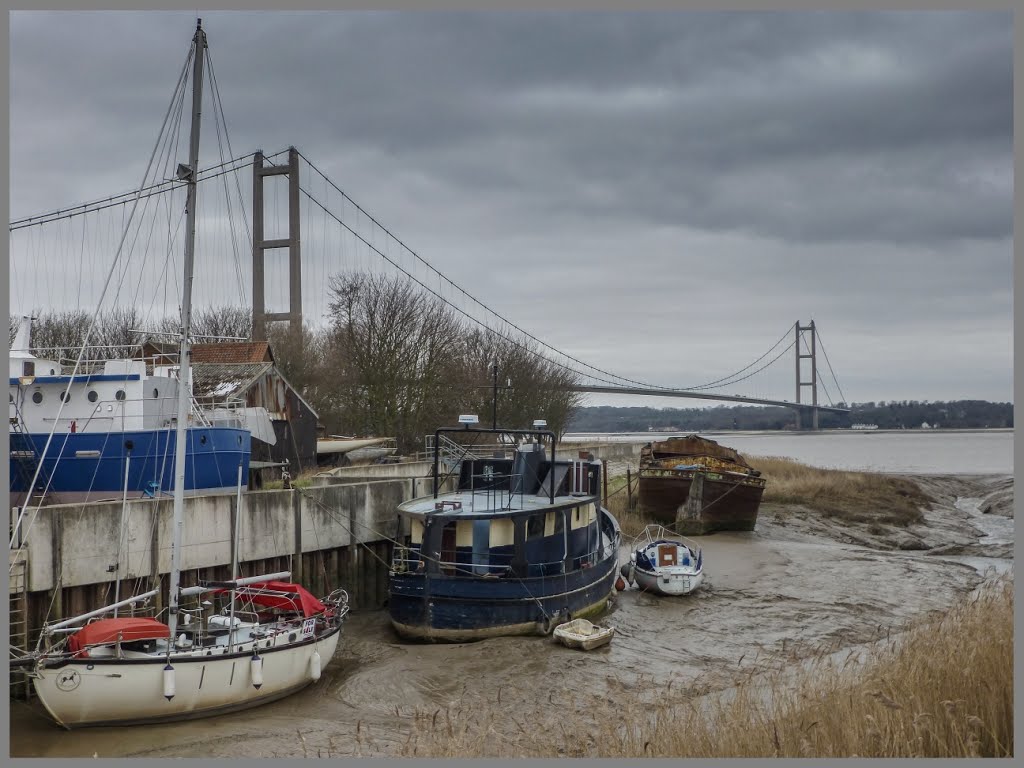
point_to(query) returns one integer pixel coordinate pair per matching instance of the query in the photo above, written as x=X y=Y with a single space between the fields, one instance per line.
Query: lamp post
x=494 y=397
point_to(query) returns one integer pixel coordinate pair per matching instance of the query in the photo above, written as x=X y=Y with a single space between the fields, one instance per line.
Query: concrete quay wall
x=328 y=537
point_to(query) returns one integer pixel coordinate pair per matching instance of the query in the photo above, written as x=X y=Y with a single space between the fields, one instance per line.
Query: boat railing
x=449 y=453
x=653 y=533
x=407 y=559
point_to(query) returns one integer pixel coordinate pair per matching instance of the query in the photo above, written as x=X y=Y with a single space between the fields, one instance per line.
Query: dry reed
x=855 y=496
x=940 y=689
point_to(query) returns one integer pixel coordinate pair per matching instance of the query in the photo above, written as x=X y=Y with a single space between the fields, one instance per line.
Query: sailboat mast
x=184 y=361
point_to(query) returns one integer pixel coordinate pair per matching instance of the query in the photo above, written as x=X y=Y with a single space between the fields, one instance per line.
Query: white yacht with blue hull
x=521 y=545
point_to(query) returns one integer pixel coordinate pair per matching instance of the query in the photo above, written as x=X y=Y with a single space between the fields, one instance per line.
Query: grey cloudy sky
x=661 y=195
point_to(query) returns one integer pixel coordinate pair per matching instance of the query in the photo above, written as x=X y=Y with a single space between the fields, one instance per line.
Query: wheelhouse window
x=535 y=526
x=28 y=368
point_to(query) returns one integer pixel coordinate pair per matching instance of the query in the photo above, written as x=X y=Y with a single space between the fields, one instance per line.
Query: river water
x=917 y=451
x=794 y=587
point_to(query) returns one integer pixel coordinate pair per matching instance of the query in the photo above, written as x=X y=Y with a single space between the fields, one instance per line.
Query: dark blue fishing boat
x=521 y=545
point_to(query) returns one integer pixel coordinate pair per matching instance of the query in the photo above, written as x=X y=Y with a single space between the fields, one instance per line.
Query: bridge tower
x=800 y=382
x=260 y=316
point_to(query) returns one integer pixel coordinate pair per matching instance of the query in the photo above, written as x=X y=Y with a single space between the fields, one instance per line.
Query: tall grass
x=630 y=521
x=940 y=689
x=855 y=496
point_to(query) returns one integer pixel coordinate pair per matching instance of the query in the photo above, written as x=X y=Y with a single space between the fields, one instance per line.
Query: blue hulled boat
x=520 y=545
x=109 y=430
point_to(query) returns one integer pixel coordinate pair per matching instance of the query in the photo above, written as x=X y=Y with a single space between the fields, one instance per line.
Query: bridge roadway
x=605 y=390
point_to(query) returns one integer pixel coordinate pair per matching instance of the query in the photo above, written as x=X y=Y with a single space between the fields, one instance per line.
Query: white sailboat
x=270 y=640
x=664 y=562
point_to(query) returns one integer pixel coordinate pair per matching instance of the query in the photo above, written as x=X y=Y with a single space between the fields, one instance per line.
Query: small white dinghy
x=664 y=563
x=582 y=634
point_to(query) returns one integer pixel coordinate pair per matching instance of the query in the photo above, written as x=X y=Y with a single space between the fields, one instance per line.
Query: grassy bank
x=863 y=497
x=941 y=689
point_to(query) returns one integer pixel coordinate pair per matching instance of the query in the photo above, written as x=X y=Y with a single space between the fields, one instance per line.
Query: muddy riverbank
x=798 y=584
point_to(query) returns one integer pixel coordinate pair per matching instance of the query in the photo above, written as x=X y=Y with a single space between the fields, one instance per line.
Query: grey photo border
x=582 y=5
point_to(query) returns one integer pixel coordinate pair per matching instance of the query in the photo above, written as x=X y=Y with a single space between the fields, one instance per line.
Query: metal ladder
x=18 y=615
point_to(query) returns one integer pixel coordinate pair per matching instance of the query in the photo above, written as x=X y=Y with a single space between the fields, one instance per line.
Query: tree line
x=391 y=360
x=894 y=414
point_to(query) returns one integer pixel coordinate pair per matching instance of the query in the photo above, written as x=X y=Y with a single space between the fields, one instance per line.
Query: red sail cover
x=108 y=630
x=281 y=594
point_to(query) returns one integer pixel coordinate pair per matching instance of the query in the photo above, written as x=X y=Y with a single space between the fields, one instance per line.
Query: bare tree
x=389 y=358
x=117 y=333
x=298 y=354
x=530 y=385
x=15 y=327
x=400 y=362
x=59 y=335
x=213 y=323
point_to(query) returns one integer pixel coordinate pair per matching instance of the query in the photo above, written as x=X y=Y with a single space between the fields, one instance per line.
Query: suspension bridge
x=277 y=228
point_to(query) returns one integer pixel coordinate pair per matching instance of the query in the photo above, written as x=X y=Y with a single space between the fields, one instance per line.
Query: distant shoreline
x=642 y=436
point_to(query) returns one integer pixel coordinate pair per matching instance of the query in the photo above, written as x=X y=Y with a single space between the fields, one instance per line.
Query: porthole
x=202 y=439
x=291 y=637
x=156 y=393
x=12 y=397
x=65 y=396
x=120 y=395
x=93 y=396
x=239 y=439
x=37 y=397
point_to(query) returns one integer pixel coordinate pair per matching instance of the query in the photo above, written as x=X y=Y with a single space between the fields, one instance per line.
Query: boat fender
x=168 y=682
x=314 y=665
x=256 y=671
x=552 y=621
x=620 y=584
x=624 y=570
x=631 y=573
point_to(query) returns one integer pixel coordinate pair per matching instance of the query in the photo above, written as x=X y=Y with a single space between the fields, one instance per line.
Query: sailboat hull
x=105 y=691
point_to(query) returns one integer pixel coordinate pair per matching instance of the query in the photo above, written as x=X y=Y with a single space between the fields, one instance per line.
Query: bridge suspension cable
x=730 y=379
x=465 y=314
x=158 y=188
x=842 y=397
x=502 y=328
x=460 y=289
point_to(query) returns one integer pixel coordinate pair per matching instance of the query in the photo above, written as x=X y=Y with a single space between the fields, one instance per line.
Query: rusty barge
x=695 y=486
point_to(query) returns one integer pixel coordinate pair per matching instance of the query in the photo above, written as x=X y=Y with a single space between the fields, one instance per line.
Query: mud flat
x=799 y=584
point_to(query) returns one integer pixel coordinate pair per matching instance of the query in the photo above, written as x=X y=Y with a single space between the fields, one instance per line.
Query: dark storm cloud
x=815 y=128
x=820 y=125
x=724 y=171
